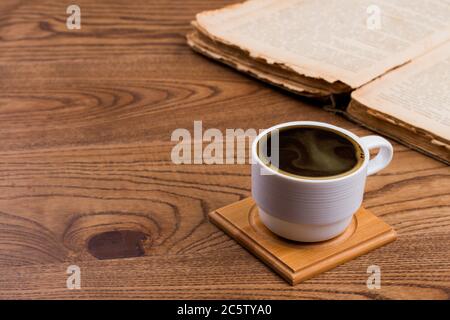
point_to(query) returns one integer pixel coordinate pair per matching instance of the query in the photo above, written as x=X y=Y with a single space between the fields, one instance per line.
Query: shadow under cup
x=311 y=188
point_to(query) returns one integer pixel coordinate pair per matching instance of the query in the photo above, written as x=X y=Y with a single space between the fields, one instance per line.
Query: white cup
x=311 y=210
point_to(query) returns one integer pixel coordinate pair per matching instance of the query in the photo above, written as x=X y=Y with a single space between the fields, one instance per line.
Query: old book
x=411 y=104
x=328 y=50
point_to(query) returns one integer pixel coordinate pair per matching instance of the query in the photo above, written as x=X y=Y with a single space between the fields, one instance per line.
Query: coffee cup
x=312 y=183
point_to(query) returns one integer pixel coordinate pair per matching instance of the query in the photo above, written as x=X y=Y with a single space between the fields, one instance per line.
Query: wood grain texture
x=86 y=119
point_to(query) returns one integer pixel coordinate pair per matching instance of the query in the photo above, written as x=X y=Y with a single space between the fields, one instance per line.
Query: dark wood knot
x=118 y=244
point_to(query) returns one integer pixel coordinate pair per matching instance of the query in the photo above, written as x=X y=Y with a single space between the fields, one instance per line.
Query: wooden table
x=86 y=118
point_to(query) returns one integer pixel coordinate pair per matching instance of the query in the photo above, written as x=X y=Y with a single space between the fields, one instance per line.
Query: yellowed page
x=417 y=93
x=331 y=39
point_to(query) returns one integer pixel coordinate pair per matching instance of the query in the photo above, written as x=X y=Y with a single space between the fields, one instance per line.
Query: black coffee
x=315 y=152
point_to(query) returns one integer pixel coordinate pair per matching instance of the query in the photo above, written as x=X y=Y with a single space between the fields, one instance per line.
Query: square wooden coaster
x=298 y=261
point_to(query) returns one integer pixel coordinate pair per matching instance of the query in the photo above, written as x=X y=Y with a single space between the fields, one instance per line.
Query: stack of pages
x=390 y=58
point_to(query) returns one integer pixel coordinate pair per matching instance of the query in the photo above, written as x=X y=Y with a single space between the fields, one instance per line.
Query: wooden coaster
x=298 y=261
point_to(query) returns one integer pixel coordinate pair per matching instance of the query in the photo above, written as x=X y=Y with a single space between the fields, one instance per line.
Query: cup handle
x=384 y=156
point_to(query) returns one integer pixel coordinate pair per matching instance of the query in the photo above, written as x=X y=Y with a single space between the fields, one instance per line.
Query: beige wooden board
x=296 y=261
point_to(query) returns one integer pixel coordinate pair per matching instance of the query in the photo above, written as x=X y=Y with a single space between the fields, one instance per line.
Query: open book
x=391 y=56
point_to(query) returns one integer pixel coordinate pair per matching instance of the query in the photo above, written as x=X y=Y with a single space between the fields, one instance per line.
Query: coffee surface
x=316 y=152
